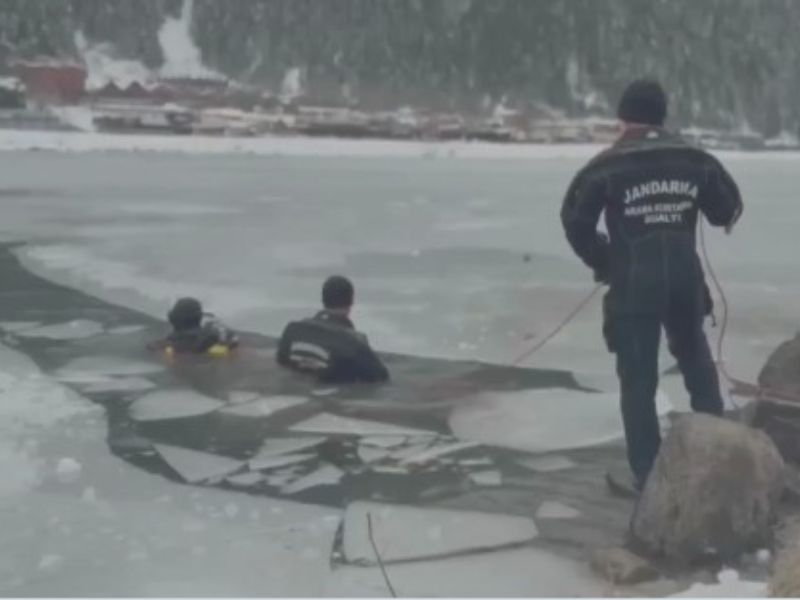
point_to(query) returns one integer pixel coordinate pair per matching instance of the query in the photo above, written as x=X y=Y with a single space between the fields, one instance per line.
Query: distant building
x=51 y=81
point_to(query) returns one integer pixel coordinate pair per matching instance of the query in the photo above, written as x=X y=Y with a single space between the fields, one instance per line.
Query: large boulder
x=782 y=369
x=712 y=493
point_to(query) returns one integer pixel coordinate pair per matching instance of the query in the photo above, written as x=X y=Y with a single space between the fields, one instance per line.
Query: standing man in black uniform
x=652 y=185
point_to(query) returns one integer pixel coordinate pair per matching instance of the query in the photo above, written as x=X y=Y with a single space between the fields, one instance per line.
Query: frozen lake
x=437 y=247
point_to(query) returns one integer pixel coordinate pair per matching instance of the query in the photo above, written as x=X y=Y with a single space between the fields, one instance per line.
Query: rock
x=622 y=567
x=785 y=581
x=782 y=370
x=713 y=492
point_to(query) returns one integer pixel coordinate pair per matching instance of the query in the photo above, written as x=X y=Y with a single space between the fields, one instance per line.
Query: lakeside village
x=33 y=92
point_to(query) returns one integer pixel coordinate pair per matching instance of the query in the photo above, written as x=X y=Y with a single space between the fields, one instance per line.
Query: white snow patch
x=172 y=404
x=68 y=470
x=102 y=67
x=181 y=55
x=556 y=510
x=541 y=420
x=336 y=425
x=729 y=585
x=400 y=532
x=29 y=404
x=194 y=466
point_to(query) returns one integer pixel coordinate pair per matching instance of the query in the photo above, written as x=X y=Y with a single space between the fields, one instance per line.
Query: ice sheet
x=119 y=384
x=405 y=532
x=556 y=510
x=172 y=404
x=326 y=475
x=547 y=464
x=264 y=407
x=518 y=573
x=541 y=420
x=106 y=365
x=287 y=445
x=194 y=466
x=72 y=330
x=263 y=463
x=335 y=424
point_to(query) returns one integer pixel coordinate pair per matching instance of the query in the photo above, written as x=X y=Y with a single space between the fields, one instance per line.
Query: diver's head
x=643 y=102
x=186 y=314
x=338 y=294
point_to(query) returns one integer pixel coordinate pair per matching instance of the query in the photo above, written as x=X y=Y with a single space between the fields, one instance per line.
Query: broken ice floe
x=437 y=452
x=263 y=463
x=487 y=478
x=100 y=366
x=263 y=407
x=194 y=466
x=556 y=510
x=368 y=454
x=326 y=475
x=15 y=326
x=172 y=404
x=72 y=330
x=277 y=446
x=547 y=464
x=125 y=329
x=403 y=532
x=245 y=479
x=383 y=441
x=119 y=384
x=334 y=424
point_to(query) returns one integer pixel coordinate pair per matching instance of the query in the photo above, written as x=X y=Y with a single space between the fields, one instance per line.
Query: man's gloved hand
x=601 y=274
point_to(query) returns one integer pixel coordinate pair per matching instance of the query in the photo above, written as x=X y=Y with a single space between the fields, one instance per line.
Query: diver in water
x=328 y=345
x=652 y=185
x=196 y=332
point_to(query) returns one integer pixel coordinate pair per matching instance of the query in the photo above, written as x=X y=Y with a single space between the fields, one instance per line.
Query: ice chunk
x=125 y=329
x=400 y=532
x=106 y=366
x=556 y=510
x=547 y=464
x=383 y=441
x=14 y=326
x=68 y=470
x=487 y=478
x=72 y=330
x=194 y=466
x=540 y=420
x=264 y=463
x=368 y=454
x=242 y=397
x=327 y=475
x=263 y=407
x=334 y=424
x=519 y=573
x=277 y=446
x=172 y=404
x=322 y=392
x=475 y=462
x=437 y=452
x=119 y=384
x=245 y=479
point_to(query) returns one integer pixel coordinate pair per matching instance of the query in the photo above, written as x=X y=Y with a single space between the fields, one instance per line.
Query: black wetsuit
x=329 y=346
x=651 y=186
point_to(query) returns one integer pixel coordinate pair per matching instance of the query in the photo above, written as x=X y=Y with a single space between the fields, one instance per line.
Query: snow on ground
x=729 y=585
x=181 y=55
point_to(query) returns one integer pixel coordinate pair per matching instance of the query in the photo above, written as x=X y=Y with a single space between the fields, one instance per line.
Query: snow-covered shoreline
x=84 y=142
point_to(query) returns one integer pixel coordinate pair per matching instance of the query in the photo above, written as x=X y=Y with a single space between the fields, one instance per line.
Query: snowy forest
x=726 y=63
